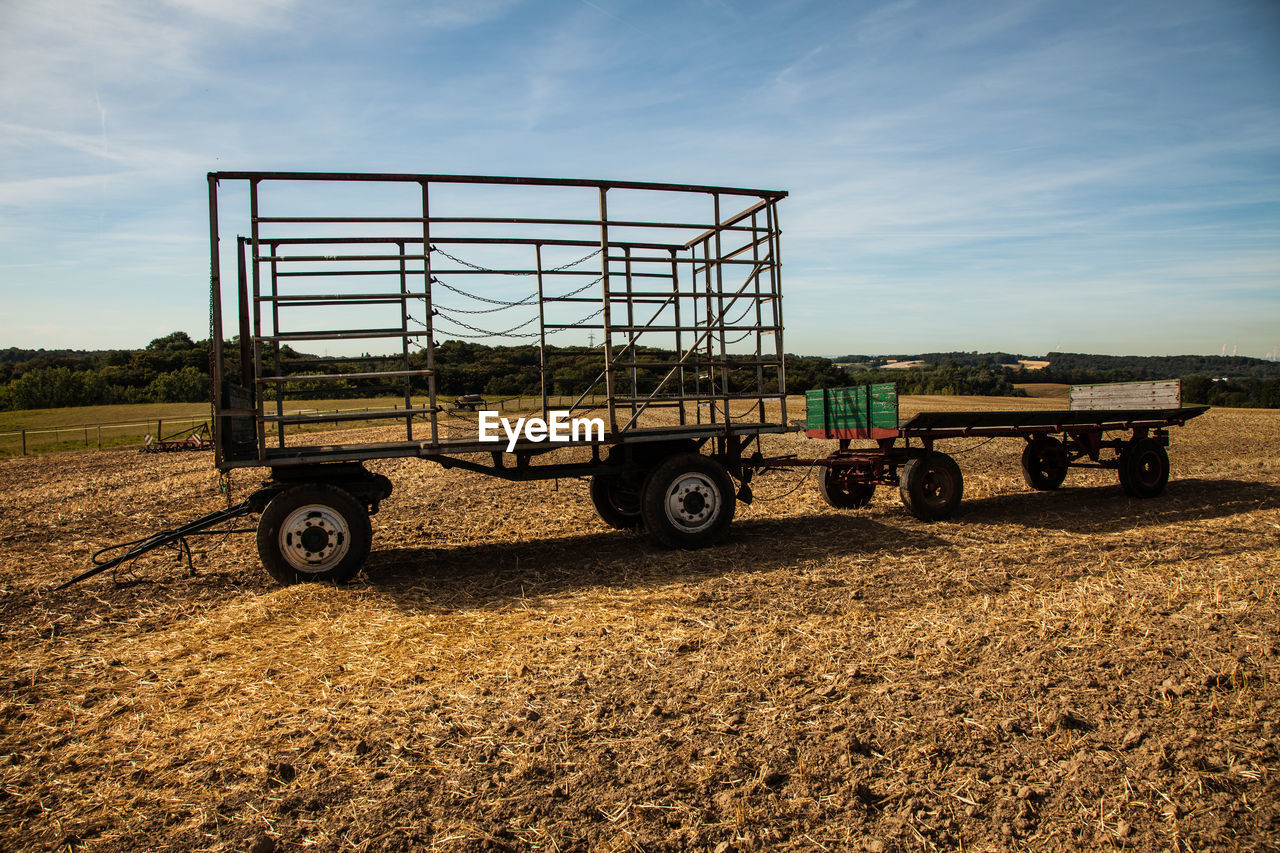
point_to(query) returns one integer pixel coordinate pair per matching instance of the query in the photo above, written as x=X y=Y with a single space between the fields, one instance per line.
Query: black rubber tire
x=931 y=486
x=617 y=502
x=342 y=538
x=687 y=501
x=1144 y=468
x=840 y=495
x=1044 y=463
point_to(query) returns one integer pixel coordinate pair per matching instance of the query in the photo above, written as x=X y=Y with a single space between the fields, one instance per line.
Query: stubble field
x=1065 y=670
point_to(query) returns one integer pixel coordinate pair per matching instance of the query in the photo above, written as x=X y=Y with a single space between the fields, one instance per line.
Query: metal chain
x=508 y=333
x=569 y=265
x=503 y=305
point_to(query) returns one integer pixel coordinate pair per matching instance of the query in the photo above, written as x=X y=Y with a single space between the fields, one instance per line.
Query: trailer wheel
x=314 y=532
x=1044 y=463
x=931 y=486
x=1144 y=468
x=617 y=502
x=841 y=494
x=687 y=501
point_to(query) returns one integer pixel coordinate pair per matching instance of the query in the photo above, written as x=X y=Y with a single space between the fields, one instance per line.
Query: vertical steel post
x=775 y=291
x=607 y=321
x=724 y=353
x=755 y=274
x=256 y=277
x=242 y=300
x=215 y=319
x=24 y=442
x=675 y=299
x=404 y=342
x=275 y=330
x=542 y=331
x=430 y=320
x=698 y=366
x=711 y=320
x=631 y=332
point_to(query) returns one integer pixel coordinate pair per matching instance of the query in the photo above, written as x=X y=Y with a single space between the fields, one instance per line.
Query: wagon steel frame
x=689 y=288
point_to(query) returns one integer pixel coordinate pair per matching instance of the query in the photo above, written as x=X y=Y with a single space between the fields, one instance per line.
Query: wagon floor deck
x=1014 y=422
x=470 y=444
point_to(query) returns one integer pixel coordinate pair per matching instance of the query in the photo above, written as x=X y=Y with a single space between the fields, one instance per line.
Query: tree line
x=1206 y=379
x=175 y=369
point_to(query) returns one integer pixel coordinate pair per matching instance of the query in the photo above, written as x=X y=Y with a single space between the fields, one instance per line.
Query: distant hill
x=14 y=355
x=1213 y=379
x=1138 y=366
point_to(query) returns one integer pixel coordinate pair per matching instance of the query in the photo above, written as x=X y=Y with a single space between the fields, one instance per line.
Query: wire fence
x=99 y=436
x=108 y=435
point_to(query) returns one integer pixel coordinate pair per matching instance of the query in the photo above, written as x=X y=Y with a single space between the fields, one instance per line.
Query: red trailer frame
x=931 y=484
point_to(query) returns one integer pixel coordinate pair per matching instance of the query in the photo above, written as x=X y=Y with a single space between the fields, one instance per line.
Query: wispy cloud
x=441 y=15
x=1024 y=155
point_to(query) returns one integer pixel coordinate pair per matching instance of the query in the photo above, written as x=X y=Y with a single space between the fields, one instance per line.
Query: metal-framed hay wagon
x=682 y=286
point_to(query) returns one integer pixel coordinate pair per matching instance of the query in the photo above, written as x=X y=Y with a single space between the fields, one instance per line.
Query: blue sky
x=1022 y=176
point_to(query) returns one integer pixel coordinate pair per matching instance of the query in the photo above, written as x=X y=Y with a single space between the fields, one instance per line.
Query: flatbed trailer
x=681 y=285
x=930 y=481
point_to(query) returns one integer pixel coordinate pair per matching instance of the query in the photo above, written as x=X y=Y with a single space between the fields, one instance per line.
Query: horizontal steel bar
x=407 y=240
x=436 y=270
x=352 y=334
x=490 y=220
x=727 y=260
x=715 y=327
x=692 y=365
x=623 y=295
x=331 y=258
x=657 y=296
x=291 y=456
x=318 y=273
x=697 y=398
x=390 y=177
x=613 y=297
x=310 y=377
x=1034 y=429
x=327 y=297
x=316 y=303
x=347 y=359
x=345 y=416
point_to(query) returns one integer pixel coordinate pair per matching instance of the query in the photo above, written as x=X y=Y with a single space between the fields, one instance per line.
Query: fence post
x=24 y=442
x=99 y=436
x=86 y=436
x=159 y=430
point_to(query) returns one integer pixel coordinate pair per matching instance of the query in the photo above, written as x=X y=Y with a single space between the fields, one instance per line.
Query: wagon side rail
x=688 y=307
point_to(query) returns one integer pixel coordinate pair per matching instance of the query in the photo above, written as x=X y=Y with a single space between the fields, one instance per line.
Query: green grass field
x=80 y=427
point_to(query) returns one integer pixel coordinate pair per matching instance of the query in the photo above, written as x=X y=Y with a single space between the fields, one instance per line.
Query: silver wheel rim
x=693 y=502
x=314 y=538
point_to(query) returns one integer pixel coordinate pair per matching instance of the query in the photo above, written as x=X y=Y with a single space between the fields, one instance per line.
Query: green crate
x=858 y=408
